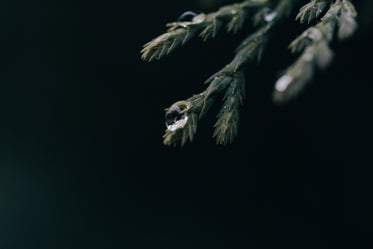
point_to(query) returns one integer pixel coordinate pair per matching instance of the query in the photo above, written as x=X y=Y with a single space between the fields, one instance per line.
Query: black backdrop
x=82 y=163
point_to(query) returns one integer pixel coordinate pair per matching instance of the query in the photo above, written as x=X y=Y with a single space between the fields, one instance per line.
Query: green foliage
x=313 y=45
x=207 y=25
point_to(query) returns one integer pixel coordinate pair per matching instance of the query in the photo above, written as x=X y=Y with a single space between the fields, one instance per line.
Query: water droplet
x=269 y=17
x=178 y=124
x=188 y=16
x=175 y=119
x=283 y=83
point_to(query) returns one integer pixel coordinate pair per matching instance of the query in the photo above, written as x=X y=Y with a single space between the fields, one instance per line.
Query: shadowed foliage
x=333 y=16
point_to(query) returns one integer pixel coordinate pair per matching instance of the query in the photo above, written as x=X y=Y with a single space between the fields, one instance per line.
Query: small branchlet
x=182 y=116
x=207 y=25
x=226 y=126
x=314 y=42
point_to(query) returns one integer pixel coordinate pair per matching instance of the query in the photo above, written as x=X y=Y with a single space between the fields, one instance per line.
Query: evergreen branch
x=314 y=43
x=178 y=116
x=181 y=118
x=206 y=24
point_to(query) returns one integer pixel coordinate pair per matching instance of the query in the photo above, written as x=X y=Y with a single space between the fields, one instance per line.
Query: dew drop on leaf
x=175 y=119
x=188 y=16
x=270 y=16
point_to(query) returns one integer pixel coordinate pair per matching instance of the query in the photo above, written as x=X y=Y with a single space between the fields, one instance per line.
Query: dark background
x=82 y=164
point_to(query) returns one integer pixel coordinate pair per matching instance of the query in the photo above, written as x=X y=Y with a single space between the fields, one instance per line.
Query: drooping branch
x=230 y=80
x=314 y=45
x=338 y=16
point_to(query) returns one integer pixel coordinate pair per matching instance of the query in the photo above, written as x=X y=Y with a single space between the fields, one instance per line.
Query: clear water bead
x=270 y=16
x=283 y=83
x=188 y=16
x=175 y=119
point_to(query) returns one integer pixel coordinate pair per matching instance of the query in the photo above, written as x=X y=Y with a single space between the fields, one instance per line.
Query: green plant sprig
x=182 y=115
x=314 y=45
x=207 y=25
